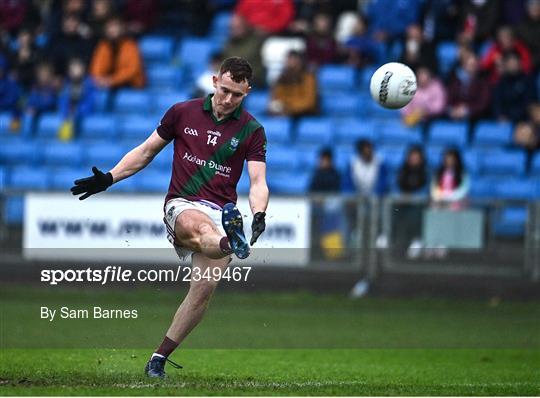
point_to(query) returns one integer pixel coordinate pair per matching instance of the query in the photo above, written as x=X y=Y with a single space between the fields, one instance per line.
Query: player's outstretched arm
x=258 y=197
x=135 y=160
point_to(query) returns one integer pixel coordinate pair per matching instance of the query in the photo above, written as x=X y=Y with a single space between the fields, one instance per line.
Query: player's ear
x=248 y=91
x=214 y=81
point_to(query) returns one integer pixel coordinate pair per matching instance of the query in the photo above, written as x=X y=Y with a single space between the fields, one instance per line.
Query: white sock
x=155 y=354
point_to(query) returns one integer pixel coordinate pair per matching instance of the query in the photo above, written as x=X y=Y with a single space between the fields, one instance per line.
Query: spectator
x=24 y=58
x=412 y=176
x=140 y=15
x=514 y=92
x=527 y=134
x=506 y=43
x=244 y=42
x=417 y=51
x=361 y=49
x=204 y=84
x=76 y=99
x=43 y=96
x=12 y=15
x=117 y=61
x=429 y=100
x=325 y=178
x=268 y=17
x=70 y=43
x=478 y=19
x=10 y=93
x=295 y=91
x=388 y=19
x=468 y=91
x=450 y=185
x=529 y=31
x=366 y=169
x=100 y=12
x=412 y=179
x=440 y=20
x=321 y=46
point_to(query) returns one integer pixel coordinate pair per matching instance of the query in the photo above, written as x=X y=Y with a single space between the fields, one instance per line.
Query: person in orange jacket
x=116 y=61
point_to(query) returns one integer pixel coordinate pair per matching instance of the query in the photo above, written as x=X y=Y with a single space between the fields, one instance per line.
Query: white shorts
x=174 y=207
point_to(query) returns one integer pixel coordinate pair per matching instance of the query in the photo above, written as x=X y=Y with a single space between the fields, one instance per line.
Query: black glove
x=97 y=183
x=257 y=226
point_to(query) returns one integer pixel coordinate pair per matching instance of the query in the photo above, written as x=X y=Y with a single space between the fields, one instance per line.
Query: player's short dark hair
x=239 y=68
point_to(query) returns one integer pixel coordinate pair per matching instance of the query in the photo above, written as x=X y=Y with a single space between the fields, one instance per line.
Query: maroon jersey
x=209 y=154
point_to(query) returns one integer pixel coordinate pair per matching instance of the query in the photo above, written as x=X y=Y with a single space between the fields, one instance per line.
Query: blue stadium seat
x=132 y=101
x=434 y=155
x=483 y=188
x=365 y=77
x=314 y=130
x=343 y=154
x=257 y=102
x=341 y=104
x=3 y=178
x=101 y=100
x=99 y=126
x=62 y=179
x=448 y=133
x=62 y=154
x=163 y=101
x=29 y=178
x=289 y=183
x=103 y=155
x=492 y=134
x=153 y=181
x=375 y=111
x=127 y=185
x=194 y=54
x=392 y=156
x=19 y=152
x=350 y=130
x=156 y=48
x=163 y=160
x=277 y=129
x=336 y=78
x=5 y=120
x=14 y=210
x=138 y=126
x=447 y=54
x=282 y=158
x=49 y=124
x=503 y=163
x=521 y=189
x=471 y=162
x=220 y=24
x=394 y=132
x=309 y=155
x=163 y=77
x=510 y=222
x=535 y=165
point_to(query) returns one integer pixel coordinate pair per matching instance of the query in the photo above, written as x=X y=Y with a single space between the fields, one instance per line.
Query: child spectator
x=527 y=134
x=43 y=97
x=450 y=185
x=412 y=176
x=116 y=61
x=24 y=58
x=321 y=46
x=506 y=43
x=10 y=93
x=514 y=92
x=295 y=91
x=76 y=99
x=429 y=100
x=325 y=178
x=468 y=91
x=366 y=170
x=100 y=12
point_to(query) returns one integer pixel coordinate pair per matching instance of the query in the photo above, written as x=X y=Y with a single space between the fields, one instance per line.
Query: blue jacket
x=10 y=94
x=42 y=99
x=393 y=16
x=84 y=106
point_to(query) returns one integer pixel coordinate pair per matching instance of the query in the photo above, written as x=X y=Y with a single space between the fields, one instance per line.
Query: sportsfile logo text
x=115 y=274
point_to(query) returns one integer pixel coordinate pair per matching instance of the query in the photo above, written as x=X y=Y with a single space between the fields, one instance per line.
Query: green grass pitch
x=271 y=344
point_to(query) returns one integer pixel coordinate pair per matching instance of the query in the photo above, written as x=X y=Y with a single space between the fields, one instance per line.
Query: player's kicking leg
x=196 y=231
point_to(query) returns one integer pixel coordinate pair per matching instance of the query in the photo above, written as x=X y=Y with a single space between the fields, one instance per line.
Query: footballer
x=212 y=138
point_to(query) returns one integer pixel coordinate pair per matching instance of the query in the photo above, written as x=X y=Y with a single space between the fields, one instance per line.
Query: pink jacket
x=430 y=100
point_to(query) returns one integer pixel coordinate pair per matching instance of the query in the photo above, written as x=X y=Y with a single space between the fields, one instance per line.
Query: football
x=393 y=85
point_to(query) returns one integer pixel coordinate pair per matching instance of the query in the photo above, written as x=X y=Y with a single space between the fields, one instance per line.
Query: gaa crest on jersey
x=234 y=143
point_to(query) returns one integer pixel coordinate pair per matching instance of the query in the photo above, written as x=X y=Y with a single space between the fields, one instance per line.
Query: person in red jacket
x=268 y=16
x=506 y=43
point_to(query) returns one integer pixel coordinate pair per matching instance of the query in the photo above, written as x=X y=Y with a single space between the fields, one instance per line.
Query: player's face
x=229 y=94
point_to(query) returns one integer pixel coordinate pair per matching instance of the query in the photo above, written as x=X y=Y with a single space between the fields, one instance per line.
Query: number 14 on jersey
x=212 y=139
